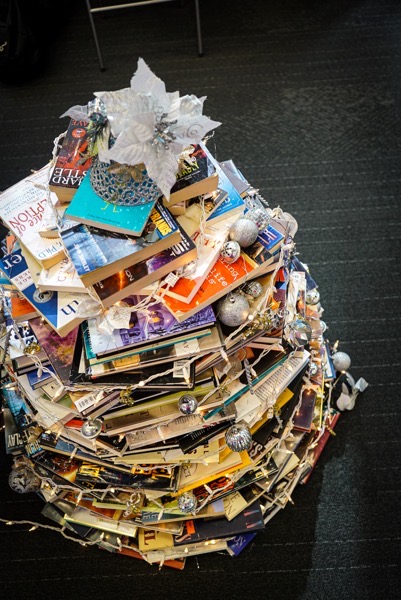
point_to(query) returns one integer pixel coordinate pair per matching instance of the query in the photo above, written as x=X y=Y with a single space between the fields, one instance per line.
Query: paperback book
x=71 y=166
x=21 y=210
x=89 y=208
x=97 y=254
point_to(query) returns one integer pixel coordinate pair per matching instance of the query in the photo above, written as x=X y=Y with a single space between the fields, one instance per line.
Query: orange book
x=221 y=279
x=21 y=309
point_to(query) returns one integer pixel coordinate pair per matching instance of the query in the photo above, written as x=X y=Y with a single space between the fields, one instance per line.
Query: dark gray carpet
x=308 y=92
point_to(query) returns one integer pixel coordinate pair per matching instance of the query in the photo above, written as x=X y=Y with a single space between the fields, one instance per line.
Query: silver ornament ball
x=239 y=437
x=187 y=502
x=312 y=297
x=187 y=404
x=253 y=288
x=233 y=310
x=341 y=361
x=260 y=217
x=23 y=480
x=300 y=333
x=230 y=252
x=244 y=231
x=313 y=369
x=91 y=428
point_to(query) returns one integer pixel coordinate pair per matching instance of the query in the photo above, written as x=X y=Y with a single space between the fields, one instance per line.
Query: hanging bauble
x=91 y=428
x=341 y=361
x=187 y=404
x=32 y=348
x=313 y=369
x=312 y=297
x=233 y=310
x=260 y=217
x=244 y=231
x=239 y=437
x=299 y=333
x=253 y=288
x=323 y=325
x=187 y=502
x=230 y=252
x=23 y=480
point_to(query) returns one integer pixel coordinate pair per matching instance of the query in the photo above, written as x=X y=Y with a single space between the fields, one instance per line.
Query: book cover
x=238 y=543
x=61 y=277
x=177 y=375
x=154 y=324
x=213 y=239
x=197 y=176
x=89 y=208
x=37 y=380
x=96 y=253
x=221 y=278
x=58 y=349
x=70 y=167
x=197 y=530
x=21 y=309
x=59 y=309
x=135 y=277
x=14 y=443
x=24 y=419
x=21 y=210
x=178 y=351
x=90 y=475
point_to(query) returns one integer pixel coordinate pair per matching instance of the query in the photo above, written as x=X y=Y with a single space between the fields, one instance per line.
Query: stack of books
x=104 y=347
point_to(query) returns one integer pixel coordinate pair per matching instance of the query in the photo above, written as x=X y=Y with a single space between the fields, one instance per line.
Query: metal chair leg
x=92 y=22
x=198 y=28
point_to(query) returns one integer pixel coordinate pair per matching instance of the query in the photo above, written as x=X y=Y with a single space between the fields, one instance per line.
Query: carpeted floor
x=308 y=93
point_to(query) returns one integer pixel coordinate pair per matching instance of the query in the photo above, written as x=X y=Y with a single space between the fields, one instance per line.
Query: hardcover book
x=70 y=167
x=197 y=176
x=134 y=278
x=89 y=208
x=97 y=254
x=21 y=210
x=59 y=309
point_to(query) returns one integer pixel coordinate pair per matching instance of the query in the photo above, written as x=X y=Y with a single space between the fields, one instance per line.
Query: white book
x=21 y=209
x=61 y=277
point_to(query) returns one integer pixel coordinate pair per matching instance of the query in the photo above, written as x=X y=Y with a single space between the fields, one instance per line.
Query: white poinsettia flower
x=152 y=126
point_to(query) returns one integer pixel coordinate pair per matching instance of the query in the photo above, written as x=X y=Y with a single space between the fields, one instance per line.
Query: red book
x=330 y=424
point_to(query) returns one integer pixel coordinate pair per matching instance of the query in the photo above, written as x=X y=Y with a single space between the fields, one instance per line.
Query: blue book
x=239 y=542
x=59 y=309
x=87 y=207
x=24 y=419
x=97 y=254
x=232 y=204
x=35 y=380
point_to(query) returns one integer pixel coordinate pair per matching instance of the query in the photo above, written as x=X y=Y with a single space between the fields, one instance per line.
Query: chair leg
x=198 y=28
x=92 y=22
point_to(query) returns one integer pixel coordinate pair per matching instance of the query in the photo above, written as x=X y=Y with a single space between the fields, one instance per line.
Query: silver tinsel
x=238 y=437
x=187 y=404
x=233 y=310
x=244 y=231
x=230 y=251
x=187 y=502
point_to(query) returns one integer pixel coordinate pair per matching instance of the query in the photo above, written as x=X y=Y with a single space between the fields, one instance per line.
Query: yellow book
x=150 y=539
x=196 y=474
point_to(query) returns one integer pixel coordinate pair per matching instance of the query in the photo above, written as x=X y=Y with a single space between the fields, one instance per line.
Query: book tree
x=167 y=381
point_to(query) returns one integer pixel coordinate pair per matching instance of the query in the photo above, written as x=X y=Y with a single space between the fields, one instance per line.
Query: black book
x=193 y=440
